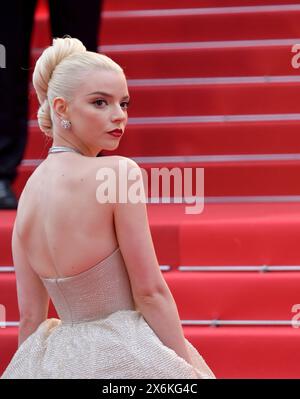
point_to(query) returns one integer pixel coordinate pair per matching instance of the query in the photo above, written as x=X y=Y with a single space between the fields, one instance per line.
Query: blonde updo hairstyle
x=59 y=71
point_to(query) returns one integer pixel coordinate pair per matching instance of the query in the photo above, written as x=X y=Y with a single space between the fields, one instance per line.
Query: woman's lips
x=116 y=134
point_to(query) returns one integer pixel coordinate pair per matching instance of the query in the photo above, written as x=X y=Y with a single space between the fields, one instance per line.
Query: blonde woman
x=94 y=259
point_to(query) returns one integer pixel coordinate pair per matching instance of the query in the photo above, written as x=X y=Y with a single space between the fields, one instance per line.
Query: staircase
x=212 y=86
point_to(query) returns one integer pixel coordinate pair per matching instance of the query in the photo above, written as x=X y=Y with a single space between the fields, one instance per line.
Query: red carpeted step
x=8 y=297
x=229 y=234
x=222 y=178
x=226 y=234
x=193 y=26
x=231 y=352
x=207 y=99
x=204 y=62
x=234 y=295
x=7 y=218
x=208 y=295
x=185 y=62
x=8 y=345
x=199 y=27
x=212 y=138
x=249 y=352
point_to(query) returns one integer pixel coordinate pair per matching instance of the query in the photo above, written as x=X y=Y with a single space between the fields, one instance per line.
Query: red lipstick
x=116 y=132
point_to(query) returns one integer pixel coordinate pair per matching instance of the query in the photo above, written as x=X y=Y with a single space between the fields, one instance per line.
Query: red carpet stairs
x=212 y=86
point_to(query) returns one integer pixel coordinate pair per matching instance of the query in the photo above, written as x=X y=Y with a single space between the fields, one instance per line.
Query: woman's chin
x=111 y=146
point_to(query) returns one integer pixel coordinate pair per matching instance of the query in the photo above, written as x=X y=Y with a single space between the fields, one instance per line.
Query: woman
x=95 y=259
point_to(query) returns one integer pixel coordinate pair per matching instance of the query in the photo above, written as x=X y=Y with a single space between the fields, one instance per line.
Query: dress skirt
x=120 y=346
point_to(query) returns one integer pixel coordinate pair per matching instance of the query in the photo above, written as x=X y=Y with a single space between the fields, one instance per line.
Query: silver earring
x=65 y=124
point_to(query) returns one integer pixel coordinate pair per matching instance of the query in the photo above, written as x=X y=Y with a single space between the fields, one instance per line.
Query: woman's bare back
x=63 y=228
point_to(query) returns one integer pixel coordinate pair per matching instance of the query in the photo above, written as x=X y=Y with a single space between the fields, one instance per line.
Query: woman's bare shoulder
x=116 y=162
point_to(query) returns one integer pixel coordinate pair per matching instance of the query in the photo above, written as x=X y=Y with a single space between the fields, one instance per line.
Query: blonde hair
x=59 y=70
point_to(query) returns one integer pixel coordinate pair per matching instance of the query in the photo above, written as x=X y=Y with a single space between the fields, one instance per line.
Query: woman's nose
x=119 y=114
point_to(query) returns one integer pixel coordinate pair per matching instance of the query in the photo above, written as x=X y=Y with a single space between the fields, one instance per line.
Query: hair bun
x=44 y=118
x=50 y=58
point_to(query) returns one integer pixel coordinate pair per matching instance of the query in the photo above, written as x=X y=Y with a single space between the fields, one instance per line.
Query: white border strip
x=5 y=269
x=213 y=80
x=252 y=199
x=156 y=120
x=167 y=268
x=201 y=11
x=212 y=118
x=263 y=268
x=198 y=158
x=192 y=45
x=216 y=323
x=4 y=324
x=227 y=199
x=217 y=158
x=37 y=51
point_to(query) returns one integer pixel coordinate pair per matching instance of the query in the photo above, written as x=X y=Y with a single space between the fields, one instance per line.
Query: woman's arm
x=160 y=312
x=33 y=298
x=26 y=328
x=150 y=291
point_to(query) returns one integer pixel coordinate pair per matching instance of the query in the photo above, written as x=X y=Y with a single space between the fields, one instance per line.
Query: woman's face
x=93 y=114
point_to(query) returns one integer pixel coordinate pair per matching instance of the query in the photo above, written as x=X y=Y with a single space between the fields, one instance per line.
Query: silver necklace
x=57 y=148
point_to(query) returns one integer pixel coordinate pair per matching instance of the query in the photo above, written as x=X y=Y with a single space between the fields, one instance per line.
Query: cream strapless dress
x=100 y=334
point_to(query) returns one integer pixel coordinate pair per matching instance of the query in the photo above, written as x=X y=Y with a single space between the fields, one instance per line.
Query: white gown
x=100 y=334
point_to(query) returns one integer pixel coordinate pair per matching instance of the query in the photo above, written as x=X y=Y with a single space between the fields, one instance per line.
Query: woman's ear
x=60 y=107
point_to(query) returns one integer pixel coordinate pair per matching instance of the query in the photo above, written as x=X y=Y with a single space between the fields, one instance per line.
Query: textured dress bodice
x=93 y=294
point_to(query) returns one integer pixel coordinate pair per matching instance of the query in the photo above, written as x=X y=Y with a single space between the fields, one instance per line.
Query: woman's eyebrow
x=105 y=94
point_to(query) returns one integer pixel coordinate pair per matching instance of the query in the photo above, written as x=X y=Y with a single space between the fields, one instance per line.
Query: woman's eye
x=127 y=104
x=103 y=101
x=97 y=102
